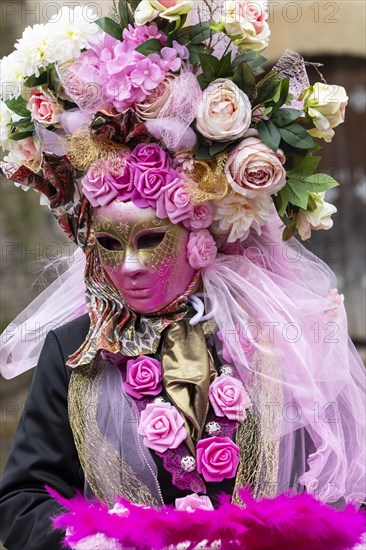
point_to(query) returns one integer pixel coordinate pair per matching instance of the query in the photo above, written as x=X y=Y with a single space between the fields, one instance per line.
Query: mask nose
x=132 y=265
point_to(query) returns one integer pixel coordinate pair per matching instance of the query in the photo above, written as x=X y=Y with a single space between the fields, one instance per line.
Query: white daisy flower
x=70 y=31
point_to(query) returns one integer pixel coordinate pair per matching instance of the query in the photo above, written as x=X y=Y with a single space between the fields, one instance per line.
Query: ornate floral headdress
x=167 y=104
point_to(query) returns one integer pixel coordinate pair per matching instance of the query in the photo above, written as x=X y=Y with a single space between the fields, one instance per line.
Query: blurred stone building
x=324 y=31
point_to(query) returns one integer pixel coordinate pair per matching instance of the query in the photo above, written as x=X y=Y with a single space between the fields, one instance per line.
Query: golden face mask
x=145 y=257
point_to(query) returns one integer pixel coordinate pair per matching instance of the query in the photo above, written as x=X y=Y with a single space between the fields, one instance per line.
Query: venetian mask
x=144 y=256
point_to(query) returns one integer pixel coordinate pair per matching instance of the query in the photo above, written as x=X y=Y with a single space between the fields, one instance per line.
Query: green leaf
x=110 y=27
x=297 y=136
x=195 y=33
x=320 y=182
x=284 y=92
x=54 y=81
x=33 y=80
x=282 y=199
x=210 y=65
x=217 y=27
x=153 y=45
x=202 y=81
x=297 y=193
x=220 y=146
x=245 y=79
x=194 y=52
x=125 y=17
x=27 y=132
x=253 y=59
x=269 y=134
x=305 y=168
x=266 y=88
x=134 y=4
x=19 y=123
x=203 y=153
x=18 y=106
x=224 y=67
x=180 y=22
x=283 y=117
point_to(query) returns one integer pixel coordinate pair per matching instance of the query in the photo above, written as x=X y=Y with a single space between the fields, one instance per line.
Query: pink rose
x=150 y=155
x=43 y=108
x=149 y=184
x=229 y=398
x=193 y=502
x=174 y=202
x=202 y=216
x=162 y=427
x=98 y=185
x=201 y=249
x=217 y=458
x=143 y=377
x=153 y=104
x=253 y=167
x=121 y=173
x=26 y=151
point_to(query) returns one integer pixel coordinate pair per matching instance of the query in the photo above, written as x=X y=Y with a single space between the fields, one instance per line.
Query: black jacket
x=43 y=452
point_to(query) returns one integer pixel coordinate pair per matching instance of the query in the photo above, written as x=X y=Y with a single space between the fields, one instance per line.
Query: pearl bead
x=213 y=428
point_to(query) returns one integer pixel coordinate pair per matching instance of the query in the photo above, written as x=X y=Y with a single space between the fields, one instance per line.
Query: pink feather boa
x=284 y=523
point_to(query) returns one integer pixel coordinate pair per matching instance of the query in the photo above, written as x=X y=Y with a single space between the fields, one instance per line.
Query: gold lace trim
x=113 y=477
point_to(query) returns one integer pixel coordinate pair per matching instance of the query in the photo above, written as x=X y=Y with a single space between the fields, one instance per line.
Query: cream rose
x=319 y=218
x=252 y=168
x=147 y=10
x=153 y=104
x=246 y=23
x=326 y=106
x=224 y=112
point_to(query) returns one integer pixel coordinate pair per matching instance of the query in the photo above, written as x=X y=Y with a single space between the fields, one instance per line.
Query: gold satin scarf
x=188 y=370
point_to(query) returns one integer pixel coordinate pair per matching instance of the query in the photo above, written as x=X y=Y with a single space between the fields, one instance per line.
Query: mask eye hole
x=109 y=243
x=150 y=240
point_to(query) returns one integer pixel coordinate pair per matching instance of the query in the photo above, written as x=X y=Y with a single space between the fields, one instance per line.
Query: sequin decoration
x=188 y=463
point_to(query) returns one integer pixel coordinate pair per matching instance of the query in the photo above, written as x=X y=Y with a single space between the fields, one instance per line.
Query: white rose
x=326 y=105
x=319 y=218
x=224 y=112
x=172 y=9
x=145 y=13
x=246 y=23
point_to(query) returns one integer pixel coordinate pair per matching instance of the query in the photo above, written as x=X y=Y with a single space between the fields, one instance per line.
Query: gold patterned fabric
x=188 y=370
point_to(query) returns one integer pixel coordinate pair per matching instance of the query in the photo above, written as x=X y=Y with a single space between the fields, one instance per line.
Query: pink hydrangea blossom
x=134 y=36
x=217 y=458
x=202 y=216
x=201 y=249
x=229 y=398
x=143 y=377
x=147 y=75
x=162 y=427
